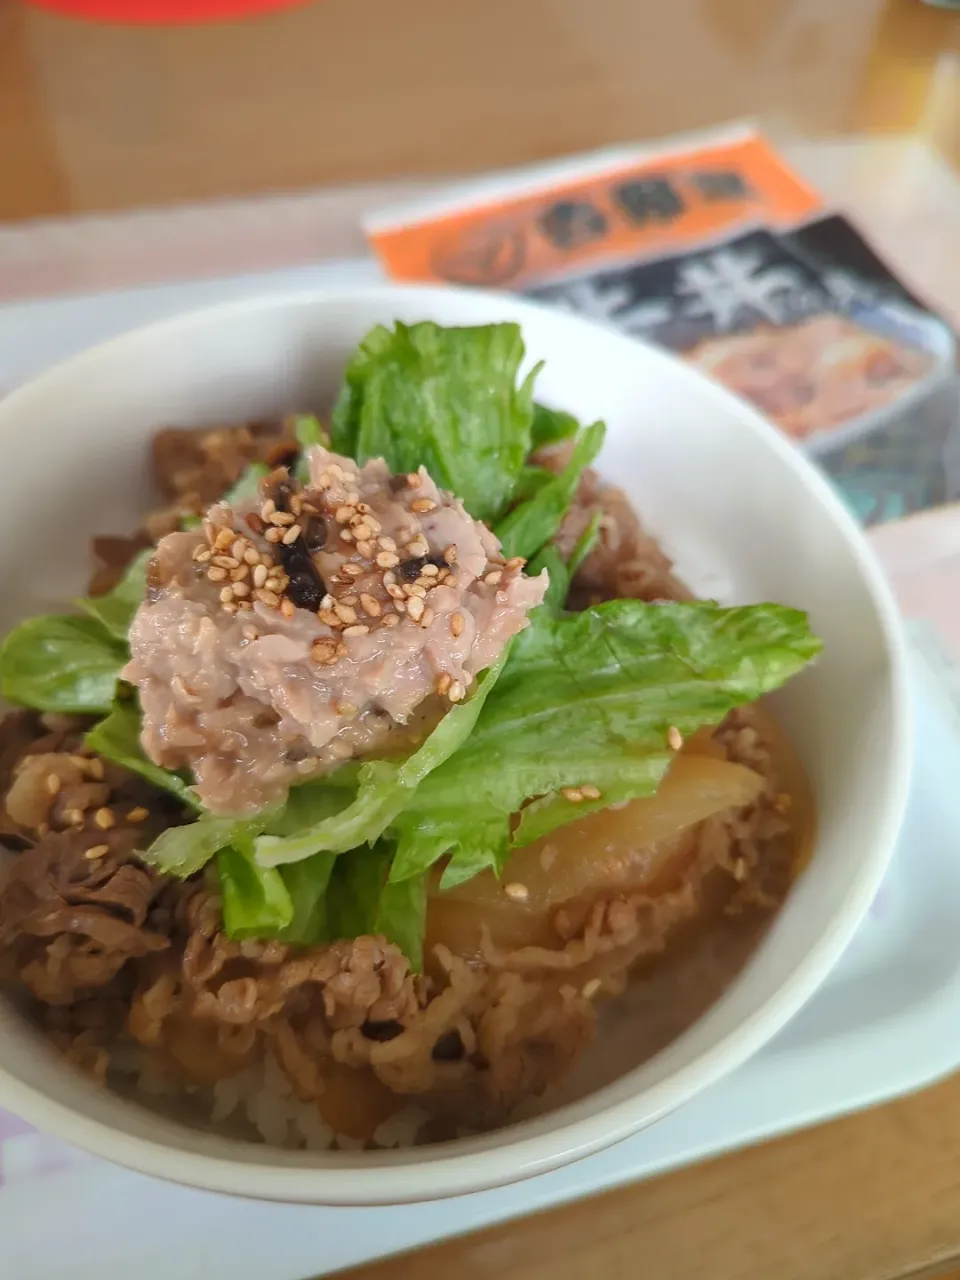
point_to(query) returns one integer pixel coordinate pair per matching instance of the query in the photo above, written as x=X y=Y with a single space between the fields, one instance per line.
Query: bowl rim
x=478 y=1163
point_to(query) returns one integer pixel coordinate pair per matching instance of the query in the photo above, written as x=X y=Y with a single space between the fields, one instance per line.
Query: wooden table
x=96 y=118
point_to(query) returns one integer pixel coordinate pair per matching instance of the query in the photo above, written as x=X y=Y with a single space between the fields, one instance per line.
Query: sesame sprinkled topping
x=427 y=618
x=251 y=633
x=345 y=613
x=387 y=559
x=361 y=530
x=395 y=592
x=93 y=768
x=740 y=870
x=456 y=692
x=97 y=851
x=391 y=620
x=267 y=597
x=292 y=534
x=216 y=574
x=274 y=534
x=443 y=682
x=330 y=618
x=226 y=562
x=352 y=570
x=591 y=988
x=430 y=571
x=226 y=595
x=674 y=738
x=456 y=624
x=415 y=607
x=370 y=604
x=573 y=794
x=251 y=556
x=268 y=510
x=223 y=539
x=238 y=548
x=423 y=504
x=418 y=548
x=494 y=577
x=343 y=515
x=346 y=535
x=74 y=817
x=139 y=814
x=307 y=764
x=516 y=891
x=288 y=608
x=53 y=784
x=105 y=818
x=413 y=480
x=515 y=562
x=238 y=574
x=259 y=575
x=590 y=792
x=360 y=630
x=450 y=554
x=350 y=598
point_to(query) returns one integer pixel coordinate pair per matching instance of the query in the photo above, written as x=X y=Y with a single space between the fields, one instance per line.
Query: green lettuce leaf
x=256 y=903
x=534 y=521
x=589 y=699
x=117 y=738
x=384 y=787
x=361 y=900
x=443 y=398
x=115 y=610
x=309 y=433
x=306 y=883
x=61 y=663
x=182 y=851
x=550 y=426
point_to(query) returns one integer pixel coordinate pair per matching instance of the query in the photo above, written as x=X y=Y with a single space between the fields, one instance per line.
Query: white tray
x=885 y=1023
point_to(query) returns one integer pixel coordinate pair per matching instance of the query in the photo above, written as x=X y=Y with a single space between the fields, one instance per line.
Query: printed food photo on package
x=716 y=250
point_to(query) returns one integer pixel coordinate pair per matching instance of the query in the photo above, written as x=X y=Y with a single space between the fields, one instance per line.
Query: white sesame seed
x=288 y=608
x=415 y=608
x=223 y=539
x=324 y=651
x=350 y=598
x=390 y=621
x=251 y=555
x=138 y=814
x=327 y=601
x=268 y=509
x=283 y=518
x=387 y=559
x=591 y=988
x=450 y=554
x=226 y=595
x=292 y=534
x=53 y=784
x=229 y=608
x=96 y=851
x=216 y=575
x=352 y=570
x=456 y=692
x=674 y=738
x=427 y=618
x=267 y=597
x=251 y=633
x=367 y=548
x=259 y=575
x=273 y=534
x=590 y=792
x=573 y=794
x=515 y=562
x=307 y=764
x=330 y=618
x=105 y=818
x=456 y=624
x=361 y=629
x=371 y=605
x=494 y=577
x=388 y=544
x=423 y=504
x=346 y=535
x=443 y=682
x=343 y=515
x=418 y=548
x=226 y=562
x=413 y=480
x=345 y=613
x=739 y=870
x=238 y=548
x=518 y=892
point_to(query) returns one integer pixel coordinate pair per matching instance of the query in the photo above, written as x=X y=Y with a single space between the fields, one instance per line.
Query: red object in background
x=175 y=12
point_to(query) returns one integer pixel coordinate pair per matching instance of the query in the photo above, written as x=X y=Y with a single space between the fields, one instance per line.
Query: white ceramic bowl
x=747 y=520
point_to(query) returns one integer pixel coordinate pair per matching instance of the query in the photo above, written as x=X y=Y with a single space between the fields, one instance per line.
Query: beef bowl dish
x=389 y=789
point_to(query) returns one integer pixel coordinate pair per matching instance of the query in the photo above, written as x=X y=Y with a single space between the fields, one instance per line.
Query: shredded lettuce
x=589 y=700
x=385 y=787
x=115 y=610
x=117 y=738
x=550 y=426
x=61 y=663
x=445 y=399
x=256 y=902
x=533 y=522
